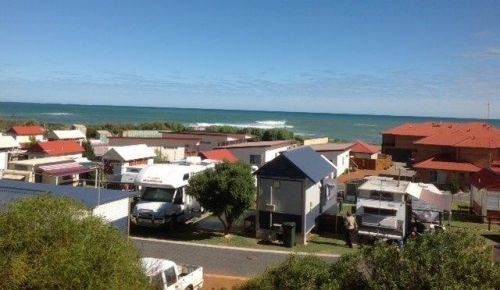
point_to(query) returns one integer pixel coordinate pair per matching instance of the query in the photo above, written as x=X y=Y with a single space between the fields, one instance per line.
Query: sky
x=416 y=58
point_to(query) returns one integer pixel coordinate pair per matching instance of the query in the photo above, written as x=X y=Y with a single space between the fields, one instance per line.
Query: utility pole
x=488 y=114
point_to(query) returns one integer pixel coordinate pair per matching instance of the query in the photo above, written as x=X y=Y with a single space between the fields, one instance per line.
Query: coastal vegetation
x=118 y=128
x=49 y=242
x=442 y=260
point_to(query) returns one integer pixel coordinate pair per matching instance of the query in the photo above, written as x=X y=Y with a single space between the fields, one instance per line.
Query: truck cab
x=167 y=275
x=163 y=198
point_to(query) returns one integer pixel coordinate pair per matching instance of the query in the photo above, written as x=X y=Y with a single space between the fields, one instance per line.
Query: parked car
x=167 y=275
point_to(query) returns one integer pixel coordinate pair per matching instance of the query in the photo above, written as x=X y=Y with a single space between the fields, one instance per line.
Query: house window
x=379 y=211
x=255 y=159
x=433 y=176
x=170 y=276
x=380 y=195
x=276 y=184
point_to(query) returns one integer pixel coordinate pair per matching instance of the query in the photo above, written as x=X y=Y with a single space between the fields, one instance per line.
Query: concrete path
x=220 y=260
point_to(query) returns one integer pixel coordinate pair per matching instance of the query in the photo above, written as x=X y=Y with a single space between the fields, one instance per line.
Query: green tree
x=227 y=191
x=301 y=273
x=33 y=140
x=442 y=260
x=49 y=242
x=89 y=151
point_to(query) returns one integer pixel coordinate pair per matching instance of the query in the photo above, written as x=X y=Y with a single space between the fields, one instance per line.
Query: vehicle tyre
x=190 y=287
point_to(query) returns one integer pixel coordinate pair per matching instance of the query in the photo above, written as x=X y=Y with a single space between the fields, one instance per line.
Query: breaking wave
x=266 y=124
x=364 y=125
x=58 y=114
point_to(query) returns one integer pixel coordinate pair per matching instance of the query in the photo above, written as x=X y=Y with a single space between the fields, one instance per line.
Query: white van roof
x=169 y=175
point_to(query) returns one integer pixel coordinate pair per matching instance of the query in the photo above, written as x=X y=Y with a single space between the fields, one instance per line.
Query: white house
x=118 y=159
x=75 y=134
x=7 y=144
x=293 y=187
x=112 y=205
x=337 y=153
x=485 y=191
x=22 y=134
x=258 y=153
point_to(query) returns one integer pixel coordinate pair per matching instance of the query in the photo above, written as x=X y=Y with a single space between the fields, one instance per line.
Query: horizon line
x=250 y=110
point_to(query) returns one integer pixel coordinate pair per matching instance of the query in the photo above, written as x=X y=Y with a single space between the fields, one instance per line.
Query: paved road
x=224 y=261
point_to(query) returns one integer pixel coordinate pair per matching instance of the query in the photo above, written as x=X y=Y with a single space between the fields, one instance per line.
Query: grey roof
x=10 y=190
x=309 y=162
x=303 y=159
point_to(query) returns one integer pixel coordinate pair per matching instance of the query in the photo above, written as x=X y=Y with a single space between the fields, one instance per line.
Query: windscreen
x=158 y=194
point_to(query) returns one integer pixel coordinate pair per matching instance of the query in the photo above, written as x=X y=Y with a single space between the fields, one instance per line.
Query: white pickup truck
x=167 y=275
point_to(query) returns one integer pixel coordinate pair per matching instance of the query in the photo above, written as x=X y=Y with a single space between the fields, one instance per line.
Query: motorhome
x=163 y=198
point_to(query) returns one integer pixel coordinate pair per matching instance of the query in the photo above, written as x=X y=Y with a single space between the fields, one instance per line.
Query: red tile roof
x=362 y=147
x=59 y=147
x=435 y=163
x=26 y=130
x=219 y=154
x=487 y=178
x=469 y=135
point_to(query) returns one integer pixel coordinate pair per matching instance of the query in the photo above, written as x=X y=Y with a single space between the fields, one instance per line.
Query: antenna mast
x=488 y=114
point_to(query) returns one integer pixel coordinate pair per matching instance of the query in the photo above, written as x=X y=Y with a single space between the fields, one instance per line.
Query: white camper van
x=163 y=197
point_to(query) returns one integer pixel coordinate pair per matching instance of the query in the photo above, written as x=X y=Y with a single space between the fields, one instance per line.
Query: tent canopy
x=430 y=194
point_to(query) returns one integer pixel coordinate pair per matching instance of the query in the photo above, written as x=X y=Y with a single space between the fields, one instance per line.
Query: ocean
x=335 y=126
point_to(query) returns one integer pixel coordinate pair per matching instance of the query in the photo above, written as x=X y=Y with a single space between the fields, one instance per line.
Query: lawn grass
x=492 y=236
x=317 y=244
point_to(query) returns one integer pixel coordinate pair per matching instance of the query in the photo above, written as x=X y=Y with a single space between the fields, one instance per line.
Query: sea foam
x=266 y=124
x=58 y=114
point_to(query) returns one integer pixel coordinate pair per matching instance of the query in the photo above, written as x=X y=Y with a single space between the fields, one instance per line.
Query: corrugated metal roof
x=63 y=169
x=58 y=147
x=309 y=162
x=10 y=189
x=66 y=134
x=305 y=159
x=219 y=155
x=131 y=152
x=142 y=133
x=26 y=130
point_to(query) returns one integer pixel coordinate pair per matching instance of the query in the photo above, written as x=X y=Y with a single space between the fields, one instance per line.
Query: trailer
x=386 y=207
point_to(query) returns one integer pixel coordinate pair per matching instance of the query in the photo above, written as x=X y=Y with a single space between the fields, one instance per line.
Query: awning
x=64 y=169
x=13 y=176
x=431 y=195
x=383 y=204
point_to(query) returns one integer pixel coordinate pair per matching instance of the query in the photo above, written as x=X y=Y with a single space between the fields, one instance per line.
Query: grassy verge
x=324 y=244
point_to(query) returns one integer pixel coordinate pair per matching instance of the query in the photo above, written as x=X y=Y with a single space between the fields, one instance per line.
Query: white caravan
x=163 y=196
x=385 y=206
